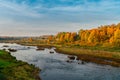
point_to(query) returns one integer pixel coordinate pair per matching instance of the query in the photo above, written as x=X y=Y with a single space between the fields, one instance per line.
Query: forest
x=107 y=35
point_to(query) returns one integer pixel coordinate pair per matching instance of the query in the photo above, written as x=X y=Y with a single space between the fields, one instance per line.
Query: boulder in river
x=71 y=57
x=5 y=46
x=28 y=47
x=69 y=61
x=51 y=52
x=4 y=49
x=12 y=50
x=82 y=62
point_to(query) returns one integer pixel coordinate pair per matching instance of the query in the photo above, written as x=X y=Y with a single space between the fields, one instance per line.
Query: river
x=55 y=66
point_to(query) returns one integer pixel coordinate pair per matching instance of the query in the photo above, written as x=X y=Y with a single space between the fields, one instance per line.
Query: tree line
x=104 y=35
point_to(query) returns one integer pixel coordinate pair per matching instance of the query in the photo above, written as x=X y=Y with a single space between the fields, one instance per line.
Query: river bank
x=11 y=69
x=88 y=55
x=95 y=56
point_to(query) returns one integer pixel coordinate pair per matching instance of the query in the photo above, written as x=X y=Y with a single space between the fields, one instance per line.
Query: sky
x=46 y=17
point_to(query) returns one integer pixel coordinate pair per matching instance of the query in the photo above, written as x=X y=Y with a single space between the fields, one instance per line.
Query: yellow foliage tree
x=117 y=37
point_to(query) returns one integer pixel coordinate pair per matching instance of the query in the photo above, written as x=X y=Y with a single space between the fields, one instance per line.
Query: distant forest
x=107 y=35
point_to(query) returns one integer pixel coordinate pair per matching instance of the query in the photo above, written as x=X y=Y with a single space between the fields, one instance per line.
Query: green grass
x=11 y=69
x=99 y=47
x=2 y=52
x=4 y=64
x=92 y=51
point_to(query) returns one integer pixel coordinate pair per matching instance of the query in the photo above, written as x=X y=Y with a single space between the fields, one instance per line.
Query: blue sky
x=38 y=17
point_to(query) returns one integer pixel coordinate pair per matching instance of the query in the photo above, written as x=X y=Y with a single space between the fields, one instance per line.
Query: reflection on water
x=55 y=67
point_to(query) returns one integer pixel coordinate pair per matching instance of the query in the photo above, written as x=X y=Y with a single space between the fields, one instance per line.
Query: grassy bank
x=11 y=69
x=89 y=55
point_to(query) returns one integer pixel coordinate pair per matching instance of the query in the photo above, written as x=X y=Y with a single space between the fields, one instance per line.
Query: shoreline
x=13 y=69
x=87 y=55
x=92 y=58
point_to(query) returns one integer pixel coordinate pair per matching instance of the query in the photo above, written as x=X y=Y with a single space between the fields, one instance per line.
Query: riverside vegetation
x=100 y=45
x=11 y=69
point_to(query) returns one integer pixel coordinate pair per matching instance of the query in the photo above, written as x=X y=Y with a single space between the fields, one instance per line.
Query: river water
x=55 y=66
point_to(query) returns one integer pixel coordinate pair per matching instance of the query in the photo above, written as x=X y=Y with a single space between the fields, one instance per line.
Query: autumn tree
x=94 y=37
x=50 y=39
x=30 y=40
x=67 y=36
x=86 y=35
x=73 y=37
x=117 y=37
x=80 y=33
